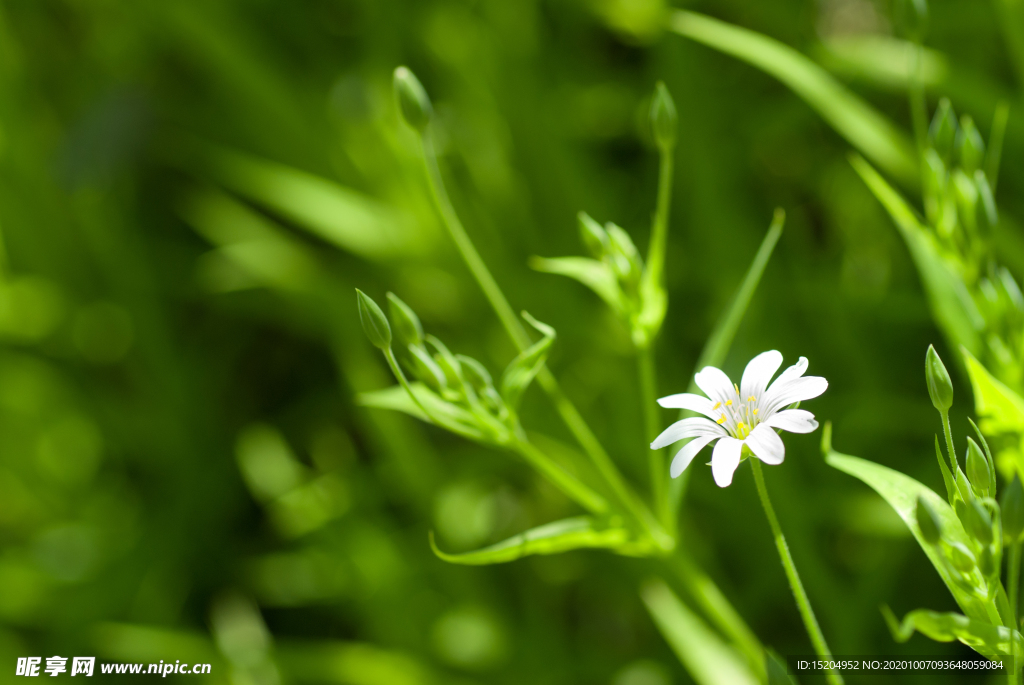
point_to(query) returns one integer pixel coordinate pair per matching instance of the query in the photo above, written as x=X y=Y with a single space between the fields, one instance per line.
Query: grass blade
x=851 y=117
x=708 y=659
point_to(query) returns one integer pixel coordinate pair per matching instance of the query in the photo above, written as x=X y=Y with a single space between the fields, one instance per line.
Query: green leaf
x=902 y=492
x=596 y=275
x=339 y=215
x=775 y=666
x=579 y=532
x=445 y=414
x=851 y=117
x=989 y=640
x=950 y=301
x=708 y=659
x=522 y=370
x=883 y=60
x=1001 y=409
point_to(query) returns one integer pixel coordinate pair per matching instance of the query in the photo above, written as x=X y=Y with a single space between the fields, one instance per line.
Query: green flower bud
x=979 y=522
x=475 y=373
x=407 y=325
x=1012 y=506
x=448 y=363
x=630 y=266
x=961 y=559
x=970 y=147
x=987 y=563
x=942 y=132
x=940 y=388
x=935 y=181
x=413 y=101
x=426 y=369
x=375 y=324
x=664 y=121
x=593 y=236
x=988 y=199
x=928 y=522
x=977 y=469
x=911 y=18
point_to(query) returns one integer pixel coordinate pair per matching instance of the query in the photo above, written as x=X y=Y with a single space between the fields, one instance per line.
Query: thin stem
x=949 y=445
x=918 y=112
x=1013 y=579
x=659 y=232
x=577 y=426
x=404 y=382
x=709 y=599
x=802 y=602
x=655 y=458
x=561 y=478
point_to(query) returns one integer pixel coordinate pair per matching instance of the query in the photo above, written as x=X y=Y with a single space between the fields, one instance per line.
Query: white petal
x=687 y=428
x=687 y=400
x=793 y=420
x=715 y=384
x=685 y=456
x=792 y=373
x=759 y=371
x=798 y=390
x=766 y=445
x=725 y=459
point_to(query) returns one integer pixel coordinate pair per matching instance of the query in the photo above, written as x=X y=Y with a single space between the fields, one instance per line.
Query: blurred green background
x=189 y=192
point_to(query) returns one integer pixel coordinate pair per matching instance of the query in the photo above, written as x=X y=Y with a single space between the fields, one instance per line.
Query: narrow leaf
x=522 y=370
x=901 y=492
x=594 y=274
x=864 y=127
x=1000 y=409
x=708 y=659
x=989 y=640
x=950 y=301
x=579 y=532
x=445 y=414
x=349 y=220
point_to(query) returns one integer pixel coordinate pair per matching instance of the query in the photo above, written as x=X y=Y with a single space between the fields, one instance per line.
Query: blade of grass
x=851 y=117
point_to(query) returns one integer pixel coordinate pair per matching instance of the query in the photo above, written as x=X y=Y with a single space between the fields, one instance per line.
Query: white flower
x=747 y=414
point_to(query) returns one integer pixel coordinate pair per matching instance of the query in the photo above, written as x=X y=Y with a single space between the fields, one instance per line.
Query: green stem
x=949 y=446
x=802 y=602
x=404 y=382
x=577 y=426
x=710 y=600
x=918 y=111
x=655 y=458
x=659 y=232
x=561 y=478
x=1013 y=579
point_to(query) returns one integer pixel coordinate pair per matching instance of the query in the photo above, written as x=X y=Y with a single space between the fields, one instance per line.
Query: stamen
x=721 y=420
x=717 y=405
x=737 y=389
x=728 y=403
x=755 y=412
x=751 y=399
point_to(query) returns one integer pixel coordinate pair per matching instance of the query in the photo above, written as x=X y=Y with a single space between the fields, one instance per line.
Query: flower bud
x=911 y=18
x=593 y=236
x=413 y=101
x=664 y=120
x=629 y=265
x=940 y=388
x=987 y=563
x=988 y=199
x=375 y=324
x=979 y=522
x=970 y=147
x=1012 y=507
x=426 y=369
x=961 y=559
x=977 y=469
x=407 y=325
x=475 y=373
x=935 y=181
x=942 y=132
x=928 y=522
